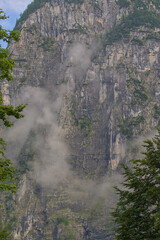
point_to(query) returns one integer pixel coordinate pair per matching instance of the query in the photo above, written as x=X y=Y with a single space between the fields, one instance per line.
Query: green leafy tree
x=6 y=67
x=137 y=214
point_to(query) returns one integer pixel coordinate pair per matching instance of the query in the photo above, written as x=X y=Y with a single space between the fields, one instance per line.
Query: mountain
x=89 y=71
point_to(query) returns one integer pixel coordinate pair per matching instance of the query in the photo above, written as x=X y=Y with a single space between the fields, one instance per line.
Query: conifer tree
x=6 y=67
x=137 y=214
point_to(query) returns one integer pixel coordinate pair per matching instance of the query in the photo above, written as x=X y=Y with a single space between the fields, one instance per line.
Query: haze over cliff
x=89 y=71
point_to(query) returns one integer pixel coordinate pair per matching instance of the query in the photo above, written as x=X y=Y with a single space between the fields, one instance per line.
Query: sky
x=13 y=9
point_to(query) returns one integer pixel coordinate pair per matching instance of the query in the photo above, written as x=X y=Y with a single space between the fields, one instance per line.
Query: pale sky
x=13 y=9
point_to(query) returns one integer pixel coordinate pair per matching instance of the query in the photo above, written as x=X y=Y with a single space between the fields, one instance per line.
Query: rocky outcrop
x=109 y=96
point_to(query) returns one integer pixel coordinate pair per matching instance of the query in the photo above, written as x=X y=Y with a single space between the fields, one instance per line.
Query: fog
x=50 y=165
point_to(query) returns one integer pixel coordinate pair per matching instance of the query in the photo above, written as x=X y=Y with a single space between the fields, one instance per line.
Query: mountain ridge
x=90 y=73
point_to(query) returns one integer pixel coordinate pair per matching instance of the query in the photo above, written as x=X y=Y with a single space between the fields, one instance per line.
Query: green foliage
x=31 y=29
x=139 y=3
x=138 y=41
x=20 y=60
x=142 y=15
x=96 y=5
x=6 y=171
x=6 y=66
x=5 y=234
x=123 y=3
x=67 y=232
x=156 y=109
x=84 y=124
x=7 y=36
x=32 y=7
x=145 y=3
x=156 y=3
x=6 y=63
x=9 y=110
x=147 y=73
x=62 y=220
x=75 y=1
x=78 y=29
x=137 y=213
x=6 y=111
x=140 y=97
x=47 y=44
x=23 y=79
x=154 y=36
x=137 y=18
x=70 y=237
x=137 y=88
x=128 y=125
x=36 y=4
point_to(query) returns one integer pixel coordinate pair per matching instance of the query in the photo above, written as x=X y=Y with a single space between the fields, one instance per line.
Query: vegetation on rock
x=32 y=7
x=142 y=15
x=137 y=89
x=156 y=111
x=36 y=4
x=123 y=3
x=74 y=1
x=5 y=234
x=128 y=125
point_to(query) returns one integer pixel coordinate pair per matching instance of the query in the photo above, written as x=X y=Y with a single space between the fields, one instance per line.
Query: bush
x=123 y=3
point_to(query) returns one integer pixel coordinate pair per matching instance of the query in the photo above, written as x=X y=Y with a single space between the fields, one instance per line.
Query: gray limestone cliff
x=98 y=63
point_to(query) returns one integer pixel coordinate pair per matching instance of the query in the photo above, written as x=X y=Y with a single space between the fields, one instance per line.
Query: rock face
x=101 y=75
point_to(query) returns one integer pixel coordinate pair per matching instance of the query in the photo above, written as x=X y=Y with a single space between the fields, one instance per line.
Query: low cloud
x=50 y=166
x=50 y=159
x=80 y=58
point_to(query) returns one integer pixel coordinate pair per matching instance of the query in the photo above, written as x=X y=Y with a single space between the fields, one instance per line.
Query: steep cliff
x=98 y=62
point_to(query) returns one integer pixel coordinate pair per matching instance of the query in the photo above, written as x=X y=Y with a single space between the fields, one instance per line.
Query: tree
x=137 y=213
x=6 y=67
